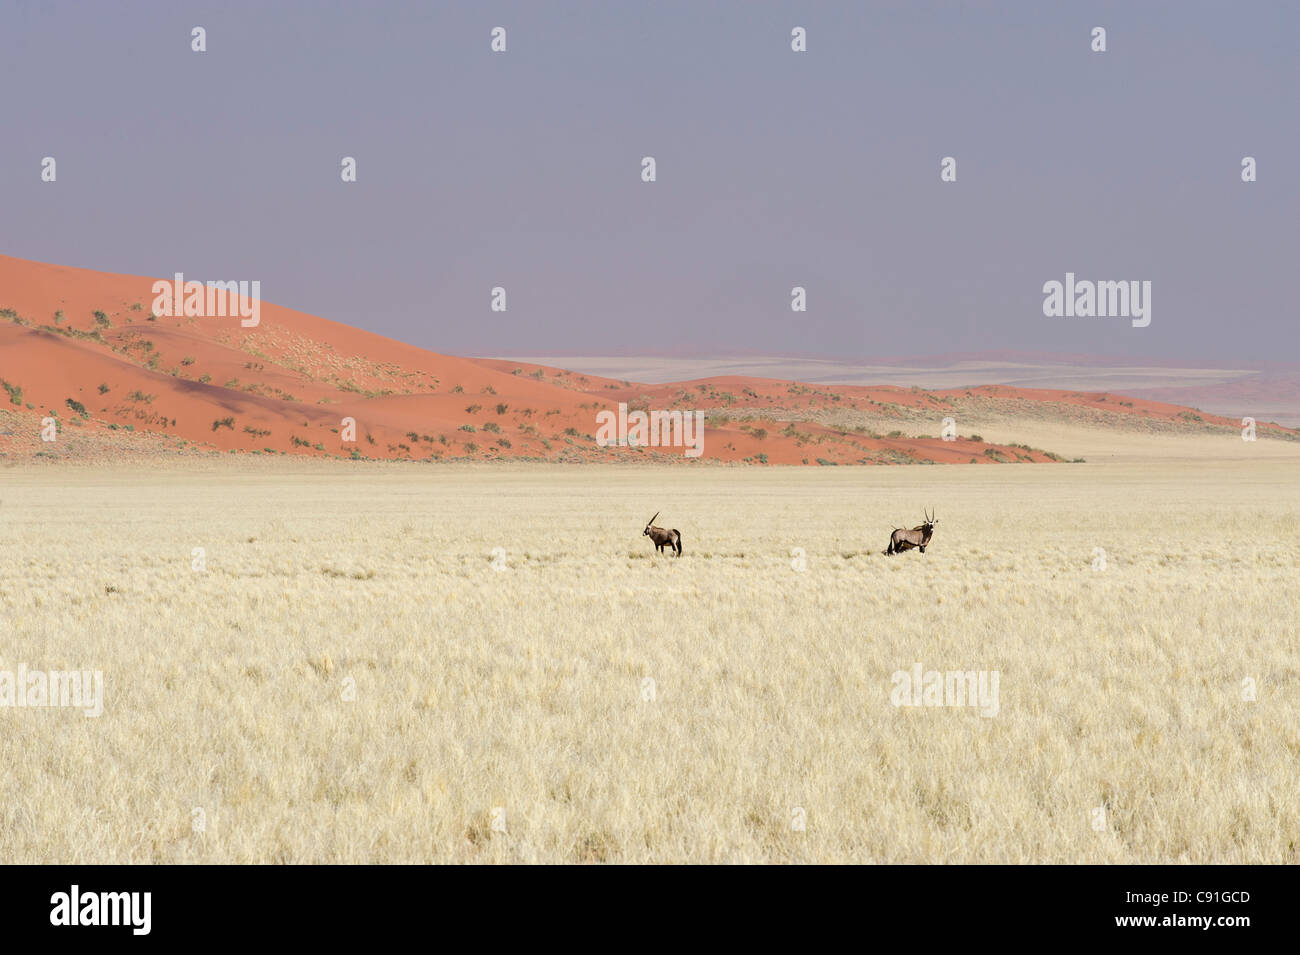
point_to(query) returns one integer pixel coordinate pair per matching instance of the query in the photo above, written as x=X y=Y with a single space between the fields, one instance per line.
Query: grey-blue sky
x=775 y=169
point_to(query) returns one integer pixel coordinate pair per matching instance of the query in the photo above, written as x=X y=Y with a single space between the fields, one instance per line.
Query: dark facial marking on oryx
x=918 y=537
x=661 y=538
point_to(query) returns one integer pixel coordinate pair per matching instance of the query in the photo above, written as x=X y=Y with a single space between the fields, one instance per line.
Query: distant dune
x=1266 y=391
x=83 y=347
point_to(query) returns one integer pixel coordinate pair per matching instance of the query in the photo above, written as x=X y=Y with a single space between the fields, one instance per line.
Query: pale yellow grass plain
x=508 y=715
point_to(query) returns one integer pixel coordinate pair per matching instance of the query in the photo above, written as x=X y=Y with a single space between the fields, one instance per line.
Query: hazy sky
x=775 y=169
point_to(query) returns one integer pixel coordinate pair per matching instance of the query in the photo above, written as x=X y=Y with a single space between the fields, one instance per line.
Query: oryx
x=661 y=538
x=919 y=536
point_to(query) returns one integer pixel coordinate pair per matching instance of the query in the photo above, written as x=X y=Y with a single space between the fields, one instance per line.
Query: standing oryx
x=918 y=536
x=662 y=538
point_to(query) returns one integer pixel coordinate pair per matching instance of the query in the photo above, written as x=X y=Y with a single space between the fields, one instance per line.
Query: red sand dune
x=74 y=338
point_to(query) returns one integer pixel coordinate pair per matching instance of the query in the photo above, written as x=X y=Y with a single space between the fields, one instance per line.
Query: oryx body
x=663 y=538
x=919 y=537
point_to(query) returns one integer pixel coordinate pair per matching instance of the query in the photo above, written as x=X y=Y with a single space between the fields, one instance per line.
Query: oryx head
x=930 y=520
x=649 y=524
